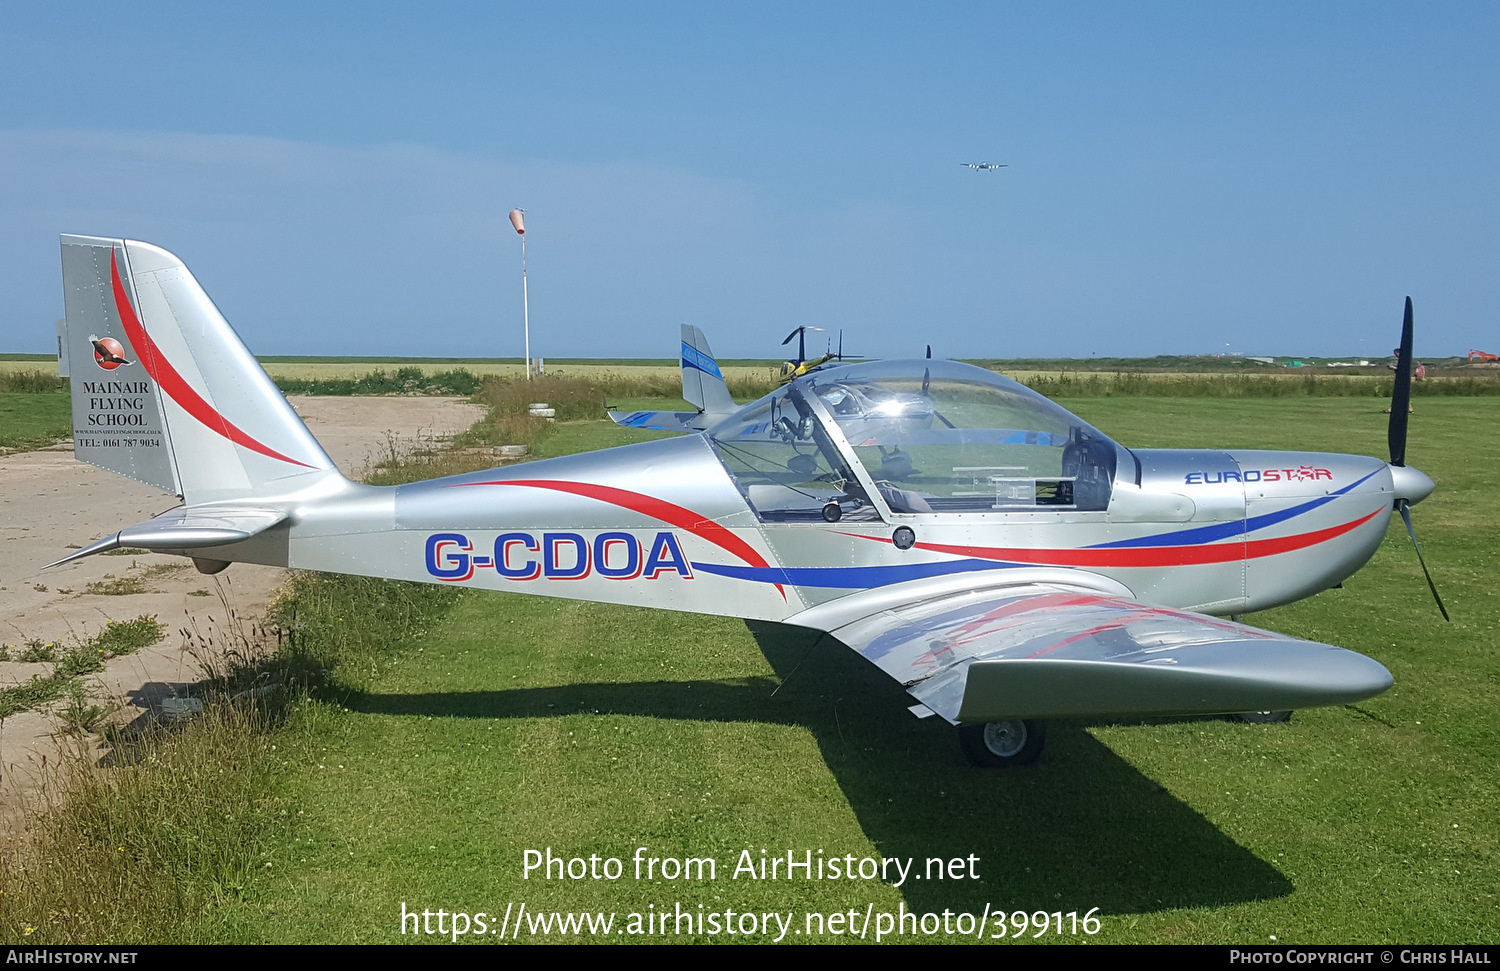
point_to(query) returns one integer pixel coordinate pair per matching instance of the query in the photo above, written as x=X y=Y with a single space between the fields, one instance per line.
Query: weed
x=406 y=380
x=425 y=457
x=117 y=639
x=78 y=717
x=112 y=586
x=30 y=695
x=121 y=637
x=35 y=651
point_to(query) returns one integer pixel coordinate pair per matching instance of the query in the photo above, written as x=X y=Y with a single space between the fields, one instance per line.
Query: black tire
x=1003 y=745
x=1264 y=717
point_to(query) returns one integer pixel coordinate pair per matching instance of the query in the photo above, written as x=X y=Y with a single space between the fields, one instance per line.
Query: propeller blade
x=929 y=352
x=927 y=380
x=1401 y=394
x=1405 y=509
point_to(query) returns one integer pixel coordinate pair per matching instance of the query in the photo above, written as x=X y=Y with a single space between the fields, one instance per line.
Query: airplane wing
x=1053 y=652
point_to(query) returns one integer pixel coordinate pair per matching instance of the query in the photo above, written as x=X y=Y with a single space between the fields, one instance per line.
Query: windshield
x=931 y=436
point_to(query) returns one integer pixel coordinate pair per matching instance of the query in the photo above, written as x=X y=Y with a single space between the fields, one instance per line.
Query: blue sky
x=1182 y=178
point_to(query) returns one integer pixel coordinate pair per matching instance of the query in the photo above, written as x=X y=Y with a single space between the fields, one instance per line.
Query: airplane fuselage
x=1219 y=532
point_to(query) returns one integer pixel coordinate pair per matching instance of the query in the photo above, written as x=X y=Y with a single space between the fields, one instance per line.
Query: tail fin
x=163 y=390
x=703 y=384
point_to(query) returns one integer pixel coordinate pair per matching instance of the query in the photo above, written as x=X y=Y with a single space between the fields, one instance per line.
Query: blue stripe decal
x=694 y=358
x=641 y=419
x=1218 y=531
x=850 y=577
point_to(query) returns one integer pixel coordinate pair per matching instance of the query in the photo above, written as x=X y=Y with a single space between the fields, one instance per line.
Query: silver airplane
x=983 y=166
x=1001 y=558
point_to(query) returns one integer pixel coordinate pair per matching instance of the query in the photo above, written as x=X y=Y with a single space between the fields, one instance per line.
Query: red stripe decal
x=1149 y=556
x=973 y=629
x=667 y=512
x=1082 y=635
x=174 y=384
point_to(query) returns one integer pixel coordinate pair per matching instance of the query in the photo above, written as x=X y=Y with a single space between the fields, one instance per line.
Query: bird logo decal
x=108 y=353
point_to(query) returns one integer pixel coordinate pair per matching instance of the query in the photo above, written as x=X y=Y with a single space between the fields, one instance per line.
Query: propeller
x=1404 y=508
x=1396 y=440
x=1401 y=394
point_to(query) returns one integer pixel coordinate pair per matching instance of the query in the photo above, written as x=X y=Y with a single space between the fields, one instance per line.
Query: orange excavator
x=1481 y=356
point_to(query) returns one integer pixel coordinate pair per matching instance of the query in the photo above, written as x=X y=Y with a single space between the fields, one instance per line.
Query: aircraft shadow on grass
x=1081 y=829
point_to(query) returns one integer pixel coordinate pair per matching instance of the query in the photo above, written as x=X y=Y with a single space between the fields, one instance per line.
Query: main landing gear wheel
x=1264 y=717
x=1002 y=745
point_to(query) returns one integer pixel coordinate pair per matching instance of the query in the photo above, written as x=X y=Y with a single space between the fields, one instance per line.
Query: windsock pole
x=517 y=220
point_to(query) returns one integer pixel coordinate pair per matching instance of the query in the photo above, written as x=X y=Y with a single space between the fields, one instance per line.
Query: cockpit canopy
x=923 y=436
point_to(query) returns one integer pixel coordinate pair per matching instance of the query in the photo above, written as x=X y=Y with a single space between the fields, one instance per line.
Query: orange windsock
x=517 y=221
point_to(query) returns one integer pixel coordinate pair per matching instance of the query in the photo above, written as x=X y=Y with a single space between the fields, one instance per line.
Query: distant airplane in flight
x=982 y=166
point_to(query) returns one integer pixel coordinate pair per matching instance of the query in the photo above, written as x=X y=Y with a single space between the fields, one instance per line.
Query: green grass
x=31 y=420
x=446 y=734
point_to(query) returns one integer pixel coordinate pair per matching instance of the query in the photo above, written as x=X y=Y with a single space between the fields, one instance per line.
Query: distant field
x=1065 y=379
x=1100 y=374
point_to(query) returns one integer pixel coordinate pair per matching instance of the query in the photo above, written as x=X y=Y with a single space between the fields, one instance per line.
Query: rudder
x=702 y=382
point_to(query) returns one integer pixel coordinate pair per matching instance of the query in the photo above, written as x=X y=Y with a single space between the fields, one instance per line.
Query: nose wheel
x=1264 y=717
x=1002 y=745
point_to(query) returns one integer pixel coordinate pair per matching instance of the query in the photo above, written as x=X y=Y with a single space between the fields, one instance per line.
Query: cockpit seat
x=902 y=500
x=1092 y=463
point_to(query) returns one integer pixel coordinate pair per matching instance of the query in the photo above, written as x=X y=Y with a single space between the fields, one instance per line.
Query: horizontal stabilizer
x=666 y=421
x=185 y=529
